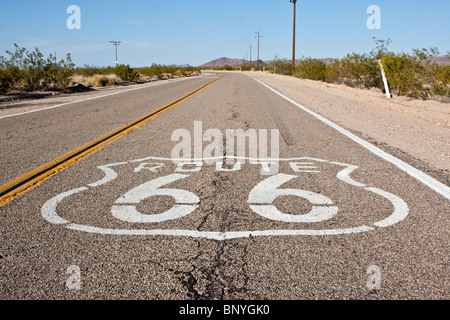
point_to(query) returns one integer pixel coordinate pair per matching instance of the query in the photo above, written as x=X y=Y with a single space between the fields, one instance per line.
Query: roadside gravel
x=417 y=131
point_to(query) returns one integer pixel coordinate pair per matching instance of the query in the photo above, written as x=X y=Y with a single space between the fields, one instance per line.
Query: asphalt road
x=335 y=221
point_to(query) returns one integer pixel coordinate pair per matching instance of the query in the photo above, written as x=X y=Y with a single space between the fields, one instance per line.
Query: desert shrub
x=226 y=68
x=9 y=75
x=57 y=75
x=5 y=81
x=162 y=71
x=126 y=73
x=96 y=81
x=312 y=69
x=89 y=71
x=31 y=71
x=333 y=72
x=247 y=67
x=414 y=75
x=100 y=80
x=404 y=75
x=282 y=66
x=34 y=64
x=181 y=73
x=360 y=70
x=154 y=71
x=441 y=80
x=436 y=78
x=13 y=68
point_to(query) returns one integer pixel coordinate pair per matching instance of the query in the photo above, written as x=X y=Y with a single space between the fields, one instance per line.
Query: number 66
x=260 y=198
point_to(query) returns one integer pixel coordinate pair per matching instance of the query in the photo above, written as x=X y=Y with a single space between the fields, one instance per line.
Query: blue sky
x=197 y=31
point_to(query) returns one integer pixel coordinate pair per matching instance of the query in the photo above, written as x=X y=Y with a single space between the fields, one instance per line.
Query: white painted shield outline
x=401 y=210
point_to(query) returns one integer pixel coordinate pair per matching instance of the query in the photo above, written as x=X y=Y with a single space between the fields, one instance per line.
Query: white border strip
x=413 y=172
x=98 y=97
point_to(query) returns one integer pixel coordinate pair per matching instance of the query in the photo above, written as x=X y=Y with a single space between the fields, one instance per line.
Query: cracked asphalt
x=222 y=250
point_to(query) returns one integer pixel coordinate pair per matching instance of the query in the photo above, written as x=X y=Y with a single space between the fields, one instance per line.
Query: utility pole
x=258 y=36
x=293 y=41
x=116 y=44
x=250 y=46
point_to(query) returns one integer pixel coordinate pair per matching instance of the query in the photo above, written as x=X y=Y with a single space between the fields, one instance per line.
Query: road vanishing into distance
x=95 y=206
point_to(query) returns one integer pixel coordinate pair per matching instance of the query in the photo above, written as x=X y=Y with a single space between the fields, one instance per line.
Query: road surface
x=333 y=220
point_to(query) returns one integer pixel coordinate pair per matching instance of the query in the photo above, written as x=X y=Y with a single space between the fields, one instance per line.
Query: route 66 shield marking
x=261 y=199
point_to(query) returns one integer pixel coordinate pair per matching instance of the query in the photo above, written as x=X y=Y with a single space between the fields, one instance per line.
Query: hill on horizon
x=222 y=62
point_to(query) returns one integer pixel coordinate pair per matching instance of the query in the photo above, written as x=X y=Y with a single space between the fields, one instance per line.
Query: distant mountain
x=222 y=62
x=327 y=60
x=442 y=60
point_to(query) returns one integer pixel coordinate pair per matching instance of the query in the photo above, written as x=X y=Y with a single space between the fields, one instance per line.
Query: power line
x=293 y=39
x=257 y=35
x=116 y=44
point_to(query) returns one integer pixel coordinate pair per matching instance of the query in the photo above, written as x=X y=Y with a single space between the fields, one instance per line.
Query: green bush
x=333 y=72
x=126 y=73
x=404 y=75
x=441 y=80
x=282 y=66
x=360 y=70
x=154 y=71
x=5 y=81
x=101 y=80
x=413 y=75
x=435 y=77
x=9 y=75
x=312 y=69
x=31 y=71
x=89 y=71
x=248 y=67
x=161 y=71
x=57 y=75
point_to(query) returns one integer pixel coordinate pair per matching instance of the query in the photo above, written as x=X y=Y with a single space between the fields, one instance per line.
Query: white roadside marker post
x=386 y=85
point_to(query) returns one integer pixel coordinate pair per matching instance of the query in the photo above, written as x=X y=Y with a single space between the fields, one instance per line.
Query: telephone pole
x=250 y=47
x=116 y=44
x=258 y=36
x=293 y=41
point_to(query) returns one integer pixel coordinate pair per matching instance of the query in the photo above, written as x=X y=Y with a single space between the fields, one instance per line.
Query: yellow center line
x=31 y=179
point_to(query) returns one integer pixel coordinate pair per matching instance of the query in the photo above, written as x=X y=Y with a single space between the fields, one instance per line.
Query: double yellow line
x=26 y=182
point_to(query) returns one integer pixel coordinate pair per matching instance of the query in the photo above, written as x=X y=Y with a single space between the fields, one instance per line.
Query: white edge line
x=413 y=172
x=92 y=98
x=220 y=236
